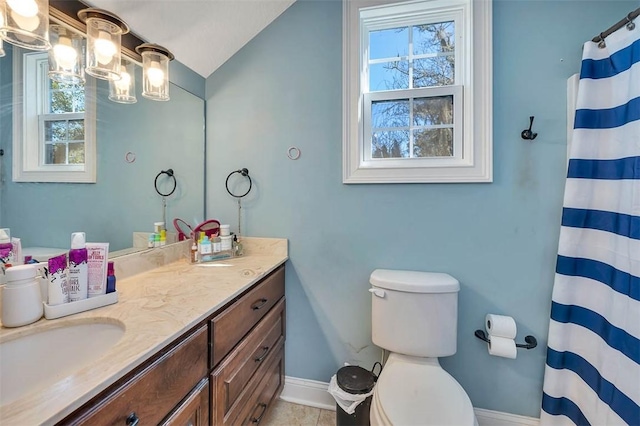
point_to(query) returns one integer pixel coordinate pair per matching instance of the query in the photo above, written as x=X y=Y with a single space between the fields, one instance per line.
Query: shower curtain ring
x=630 y=24
x=602 y=43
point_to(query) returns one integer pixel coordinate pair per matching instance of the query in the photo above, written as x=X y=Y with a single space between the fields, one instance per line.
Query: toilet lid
x=422 y=394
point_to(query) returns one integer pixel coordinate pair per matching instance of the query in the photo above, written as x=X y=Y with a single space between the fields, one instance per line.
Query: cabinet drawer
x=233 y=374
x=157 y=389
x=265 y=394
x=249 y=395
x=233 y=324
x=194 y=410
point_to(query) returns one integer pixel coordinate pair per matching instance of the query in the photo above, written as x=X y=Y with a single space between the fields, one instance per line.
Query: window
x=417 y=91
x=54 y=131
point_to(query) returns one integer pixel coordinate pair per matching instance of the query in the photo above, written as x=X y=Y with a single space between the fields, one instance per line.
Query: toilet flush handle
x=377 y=292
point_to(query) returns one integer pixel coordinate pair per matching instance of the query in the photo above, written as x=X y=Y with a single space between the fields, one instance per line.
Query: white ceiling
x=202 y=34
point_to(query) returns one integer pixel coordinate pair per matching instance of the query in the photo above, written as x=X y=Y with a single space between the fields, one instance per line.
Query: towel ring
x=168 y=172
x=244 y=172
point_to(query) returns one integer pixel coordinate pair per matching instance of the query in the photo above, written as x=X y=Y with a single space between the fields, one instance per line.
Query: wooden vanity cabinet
x=227 y=370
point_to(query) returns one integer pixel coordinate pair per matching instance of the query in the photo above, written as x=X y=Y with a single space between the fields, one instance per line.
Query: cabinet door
x=194 y=410
x=154 y=392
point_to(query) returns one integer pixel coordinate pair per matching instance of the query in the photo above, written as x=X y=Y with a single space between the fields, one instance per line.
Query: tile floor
x=288 y=414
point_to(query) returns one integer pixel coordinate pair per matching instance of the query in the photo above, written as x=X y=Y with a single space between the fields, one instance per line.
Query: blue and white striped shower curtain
x=592 y=376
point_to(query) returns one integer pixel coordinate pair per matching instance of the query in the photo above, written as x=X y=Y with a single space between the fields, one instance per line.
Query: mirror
x=135 y=143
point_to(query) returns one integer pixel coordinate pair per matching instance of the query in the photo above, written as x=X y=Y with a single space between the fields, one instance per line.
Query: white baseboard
x=314 y=394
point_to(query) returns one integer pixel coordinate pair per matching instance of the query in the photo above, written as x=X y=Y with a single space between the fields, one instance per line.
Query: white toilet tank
x=414 y=313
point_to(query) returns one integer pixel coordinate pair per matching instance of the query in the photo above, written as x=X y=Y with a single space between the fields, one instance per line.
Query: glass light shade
x=66 y=63
x=123 y=91
x=25 y=23
x=155 y=71
x=104 y=34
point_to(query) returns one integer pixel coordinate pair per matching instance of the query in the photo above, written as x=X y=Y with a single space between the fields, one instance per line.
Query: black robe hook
x=528 y=134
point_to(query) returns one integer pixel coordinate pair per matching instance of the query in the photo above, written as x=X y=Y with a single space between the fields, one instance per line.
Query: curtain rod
x=624 y=21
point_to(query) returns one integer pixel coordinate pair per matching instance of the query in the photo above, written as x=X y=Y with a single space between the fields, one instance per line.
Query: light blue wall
x=284 y=89
x=162 y=135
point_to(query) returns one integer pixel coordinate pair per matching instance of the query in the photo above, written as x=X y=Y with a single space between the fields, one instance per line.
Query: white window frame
x=473 y=92
x=28 y=127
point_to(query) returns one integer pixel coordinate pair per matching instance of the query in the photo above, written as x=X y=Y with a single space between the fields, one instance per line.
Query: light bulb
x=27 y=23
x=66 y=56
x=24 y=8
x=104 y=48
x=122 y=85
x=155 y=74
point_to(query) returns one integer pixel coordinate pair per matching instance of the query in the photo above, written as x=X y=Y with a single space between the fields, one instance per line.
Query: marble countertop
x=155 y=307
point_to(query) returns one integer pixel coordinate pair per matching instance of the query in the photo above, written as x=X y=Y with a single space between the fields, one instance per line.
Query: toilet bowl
x=414 y=317
x=417 y=391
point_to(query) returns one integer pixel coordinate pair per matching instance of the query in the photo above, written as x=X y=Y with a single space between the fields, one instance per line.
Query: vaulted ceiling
x=202 y=34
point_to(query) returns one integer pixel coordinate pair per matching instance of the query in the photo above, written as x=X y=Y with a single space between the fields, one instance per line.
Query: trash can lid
x=354 y=379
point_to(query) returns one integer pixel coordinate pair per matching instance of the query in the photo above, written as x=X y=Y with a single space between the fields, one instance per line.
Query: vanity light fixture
x=1 y=49
x=123 y=91
x=104 y=35
x=25 y=23
x=66 y=56
x=155 y=71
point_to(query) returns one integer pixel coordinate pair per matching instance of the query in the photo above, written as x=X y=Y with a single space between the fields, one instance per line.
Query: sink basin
x=37 y=360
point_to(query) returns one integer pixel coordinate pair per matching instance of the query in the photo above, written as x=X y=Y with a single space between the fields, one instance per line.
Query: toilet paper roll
x=501 y=346
x=500 y=326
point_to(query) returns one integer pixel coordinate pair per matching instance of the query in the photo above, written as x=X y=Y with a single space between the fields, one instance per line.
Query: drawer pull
x=264 y=354
x=257 y=420
x=132 y=419
x=259 y=304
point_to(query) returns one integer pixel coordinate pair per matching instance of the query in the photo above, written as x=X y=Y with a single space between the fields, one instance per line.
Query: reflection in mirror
x=134 y=142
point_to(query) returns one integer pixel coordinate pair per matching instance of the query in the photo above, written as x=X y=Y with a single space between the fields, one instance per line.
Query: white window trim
x=27 y=147
x=478 y=106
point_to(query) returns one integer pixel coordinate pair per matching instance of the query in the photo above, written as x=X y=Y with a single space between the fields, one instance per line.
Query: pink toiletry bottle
x=111 y=278
x=78 y=274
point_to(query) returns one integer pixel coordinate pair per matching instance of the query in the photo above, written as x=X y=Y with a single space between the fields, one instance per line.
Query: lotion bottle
x=78 y=272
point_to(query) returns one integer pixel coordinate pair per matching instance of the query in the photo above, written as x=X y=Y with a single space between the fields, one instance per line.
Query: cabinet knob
x=258 y=419
x=132 y=419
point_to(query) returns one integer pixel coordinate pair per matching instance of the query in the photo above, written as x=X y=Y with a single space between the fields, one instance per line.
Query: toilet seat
x=417 y=391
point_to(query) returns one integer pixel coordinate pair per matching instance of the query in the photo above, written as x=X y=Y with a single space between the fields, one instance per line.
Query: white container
x=226 y=242
x=224 y=231
x=21 y=298
x=414 y=313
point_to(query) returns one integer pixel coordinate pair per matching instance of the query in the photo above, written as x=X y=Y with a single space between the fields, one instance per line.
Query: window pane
x=55 y=153
x=76 y=130
x=76 y=153
x=386 y=114
x=389 y=43
x=433 y=143
x=438 y=71
x=394 y=144
x=389 y=76
x=66 y=97
x=55 y=130
x=433 y=111
x=434 y=38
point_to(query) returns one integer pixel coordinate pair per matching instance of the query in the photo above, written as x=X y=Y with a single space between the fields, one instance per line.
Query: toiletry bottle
x=78 y=273
x=238 y=250
x=5 y=245
x=163 y=237
x=206 y=250
x=194 y=251
x=150 y=241
x=111 y=278
x=217 y=244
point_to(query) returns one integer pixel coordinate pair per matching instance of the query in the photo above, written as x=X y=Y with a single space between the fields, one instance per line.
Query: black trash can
x=355 y=380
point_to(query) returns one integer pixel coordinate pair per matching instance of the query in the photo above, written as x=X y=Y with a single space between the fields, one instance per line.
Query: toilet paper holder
x=530 y=341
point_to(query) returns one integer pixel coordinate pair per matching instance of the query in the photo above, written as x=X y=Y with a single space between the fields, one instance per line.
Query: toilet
x=415 y=318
